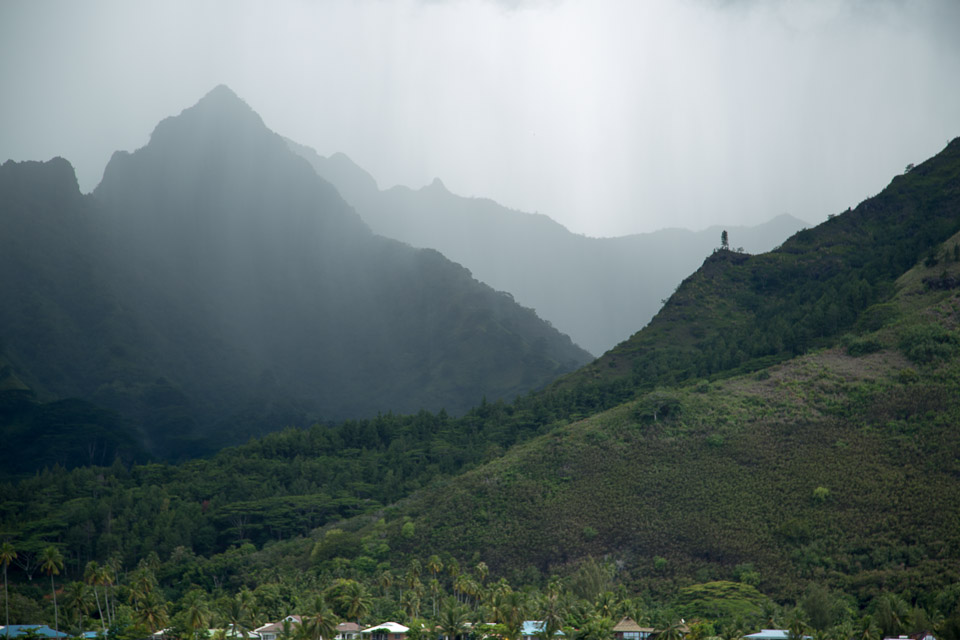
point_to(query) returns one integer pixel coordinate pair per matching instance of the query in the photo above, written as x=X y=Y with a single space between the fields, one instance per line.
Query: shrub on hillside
x=929 y=342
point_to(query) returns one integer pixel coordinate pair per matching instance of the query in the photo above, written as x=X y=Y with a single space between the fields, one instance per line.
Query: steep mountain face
x=57 y=306
x=598 y=290
x=231 y=290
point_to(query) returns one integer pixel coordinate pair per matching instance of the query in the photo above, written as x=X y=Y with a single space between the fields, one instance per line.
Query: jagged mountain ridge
x=598 y=290
x=235 y=291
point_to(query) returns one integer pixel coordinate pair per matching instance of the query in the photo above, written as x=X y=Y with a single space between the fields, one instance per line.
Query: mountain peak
x=219 y=112
x=222 y=99
x=221 y=92
x=437 y=185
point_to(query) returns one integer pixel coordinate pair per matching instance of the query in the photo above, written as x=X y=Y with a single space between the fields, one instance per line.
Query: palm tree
x=91 y=574
x=606 y=605
x=51 y=561
x=78 y=601
x=771 y=615
x=732 y=631
x=410 y=601
x=483 y=571
x=236 y=612
x=287 y=631
x=434 y=565
x=152 y=611
x=197 y=611
x=509 y=611
x=355 y=600
x=7 y=553
x=414 y=569
x=599 y=627
x=453 y=619
x=553 y=612
x=322 y=623
x=434 y=585
x=105 y=579
x=842 y=631
x=890 y=612
x=467 y=586
x=867 y=629
x=673 y=632
x=796 y=626
x=385 y=580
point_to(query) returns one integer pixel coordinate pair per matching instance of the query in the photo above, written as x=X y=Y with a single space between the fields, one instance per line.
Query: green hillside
x=813 y=485
x=831 y=467
x=794 y=412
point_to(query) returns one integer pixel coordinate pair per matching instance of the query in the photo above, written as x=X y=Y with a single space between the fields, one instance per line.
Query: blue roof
x=534 y=627
x=41 y=630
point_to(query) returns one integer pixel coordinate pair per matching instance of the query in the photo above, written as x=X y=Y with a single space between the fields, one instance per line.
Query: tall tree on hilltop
x=51 y=562
x=7 y=553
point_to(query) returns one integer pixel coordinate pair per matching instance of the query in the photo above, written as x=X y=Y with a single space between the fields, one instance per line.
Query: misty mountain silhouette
x=598 y=290
x=232 y=291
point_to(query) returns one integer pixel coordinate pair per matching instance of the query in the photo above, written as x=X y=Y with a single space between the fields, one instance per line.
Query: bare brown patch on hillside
x=808 y=384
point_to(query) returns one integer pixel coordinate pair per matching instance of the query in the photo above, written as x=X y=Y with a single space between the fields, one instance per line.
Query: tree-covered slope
x=837 y=467
x=213 y=287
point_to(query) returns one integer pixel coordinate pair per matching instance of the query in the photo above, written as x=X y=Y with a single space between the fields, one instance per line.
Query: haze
x=610 y=116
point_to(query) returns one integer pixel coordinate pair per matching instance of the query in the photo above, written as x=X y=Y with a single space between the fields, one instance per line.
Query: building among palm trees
x=274 y=630
x=348 y=631
x=628 y=629
x=385 y=631
x=533 y=630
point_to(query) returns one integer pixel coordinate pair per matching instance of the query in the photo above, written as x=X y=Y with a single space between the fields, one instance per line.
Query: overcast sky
x=610 y=116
